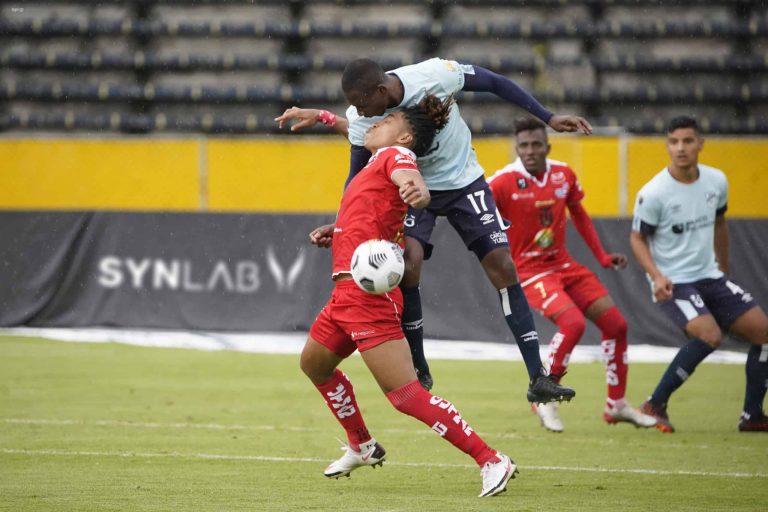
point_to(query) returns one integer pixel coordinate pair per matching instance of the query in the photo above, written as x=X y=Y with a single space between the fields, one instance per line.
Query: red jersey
x=371 y=207
x=535 y=209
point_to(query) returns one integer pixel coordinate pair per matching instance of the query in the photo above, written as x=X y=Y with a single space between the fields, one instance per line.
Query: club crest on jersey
x=544 y=238
x=557 y=177
x=522 y=183
x=711 y=199
x=562 y=192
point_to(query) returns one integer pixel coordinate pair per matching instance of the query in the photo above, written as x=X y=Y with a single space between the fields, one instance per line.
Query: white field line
x=275 y=428
x=264 y=458
x=292 y=343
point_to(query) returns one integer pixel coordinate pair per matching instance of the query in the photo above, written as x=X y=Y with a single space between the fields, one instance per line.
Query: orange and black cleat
x=660 y=413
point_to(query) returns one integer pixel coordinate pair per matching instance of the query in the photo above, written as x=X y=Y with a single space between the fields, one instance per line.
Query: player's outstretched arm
x=570 y=123
x=586 y=228
x=300 y=118
x=662 y=286
x=484 y=80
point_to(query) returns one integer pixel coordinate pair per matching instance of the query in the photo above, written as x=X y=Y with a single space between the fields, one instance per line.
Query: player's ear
x=549 y=148
x=405 y=139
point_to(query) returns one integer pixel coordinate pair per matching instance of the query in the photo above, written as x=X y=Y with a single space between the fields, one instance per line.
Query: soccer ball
x=377 y=266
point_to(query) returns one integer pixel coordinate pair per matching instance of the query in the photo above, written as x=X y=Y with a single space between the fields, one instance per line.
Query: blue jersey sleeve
x=478 y=79
x=449 y=74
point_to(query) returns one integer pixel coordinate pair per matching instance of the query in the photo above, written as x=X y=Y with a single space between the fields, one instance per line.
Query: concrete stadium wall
x=305 y=174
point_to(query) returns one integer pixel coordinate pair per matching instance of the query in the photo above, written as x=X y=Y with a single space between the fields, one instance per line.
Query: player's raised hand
x=570 y=124
x=301 y=118
x=322 y=236
x=414 y=195
x=618 y=260
x=662 y=288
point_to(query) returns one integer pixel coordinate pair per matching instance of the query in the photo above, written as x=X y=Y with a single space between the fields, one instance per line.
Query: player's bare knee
x=412 y=270
x=759 y=335
x=500 y=269
x=315 y=370
x=711 y=337
x=411 y=276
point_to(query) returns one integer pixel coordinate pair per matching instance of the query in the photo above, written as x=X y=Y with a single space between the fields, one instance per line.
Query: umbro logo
x=487 y=218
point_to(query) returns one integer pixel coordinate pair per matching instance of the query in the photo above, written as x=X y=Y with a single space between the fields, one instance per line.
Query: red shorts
x=552 y=291
x=353 y=319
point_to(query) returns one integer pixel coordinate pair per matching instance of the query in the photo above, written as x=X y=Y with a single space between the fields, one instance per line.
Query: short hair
x=525 y=124
x=682 y=122
x=362 y=75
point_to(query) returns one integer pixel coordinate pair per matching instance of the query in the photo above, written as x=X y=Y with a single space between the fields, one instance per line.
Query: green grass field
x=114 y=427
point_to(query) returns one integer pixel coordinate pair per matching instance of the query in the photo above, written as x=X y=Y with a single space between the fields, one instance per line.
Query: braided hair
x=426 y=119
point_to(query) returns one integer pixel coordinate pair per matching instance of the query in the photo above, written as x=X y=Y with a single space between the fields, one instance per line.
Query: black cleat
x=545 y=389
x=425 y=379
x=756 y=424
x=660 y=413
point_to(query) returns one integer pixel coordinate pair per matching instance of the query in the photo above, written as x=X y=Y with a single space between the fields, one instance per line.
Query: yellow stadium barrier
x=306 y=174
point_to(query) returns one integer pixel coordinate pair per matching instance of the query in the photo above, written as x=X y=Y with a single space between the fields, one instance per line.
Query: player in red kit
x=533 y=194
x=373 y=207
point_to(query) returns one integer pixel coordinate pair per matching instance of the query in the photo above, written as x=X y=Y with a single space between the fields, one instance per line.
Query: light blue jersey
x=683 y=244
x=451 y=163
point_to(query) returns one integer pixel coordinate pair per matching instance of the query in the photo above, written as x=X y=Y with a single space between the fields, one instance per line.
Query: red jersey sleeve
x=398 y=160
x=575 y=192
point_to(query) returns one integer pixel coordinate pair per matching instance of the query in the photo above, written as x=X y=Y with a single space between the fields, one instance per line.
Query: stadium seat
x=64 y=60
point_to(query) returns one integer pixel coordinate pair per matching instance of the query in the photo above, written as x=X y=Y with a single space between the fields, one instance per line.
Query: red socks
x=340 y=397
x=438 y=414
x=441 y=416
x=572 y=324
x=614 y=329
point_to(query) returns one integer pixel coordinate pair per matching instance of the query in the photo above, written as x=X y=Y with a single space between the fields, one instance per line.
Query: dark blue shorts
x=721 y=298
x=472 y=213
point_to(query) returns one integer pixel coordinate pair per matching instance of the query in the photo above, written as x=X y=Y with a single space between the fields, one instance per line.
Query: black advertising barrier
x=161 y=270
x=257 y=272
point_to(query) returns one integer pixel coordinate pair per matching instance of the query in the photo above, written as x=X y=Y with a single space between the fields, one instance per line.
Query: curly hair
x=426 y=119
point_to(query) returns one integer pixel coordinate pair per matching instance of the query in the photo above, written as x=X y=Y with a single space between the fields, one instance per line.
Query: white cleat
x=549 y=416
x=370 y=454
x=496 y=475
x=628 y=414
